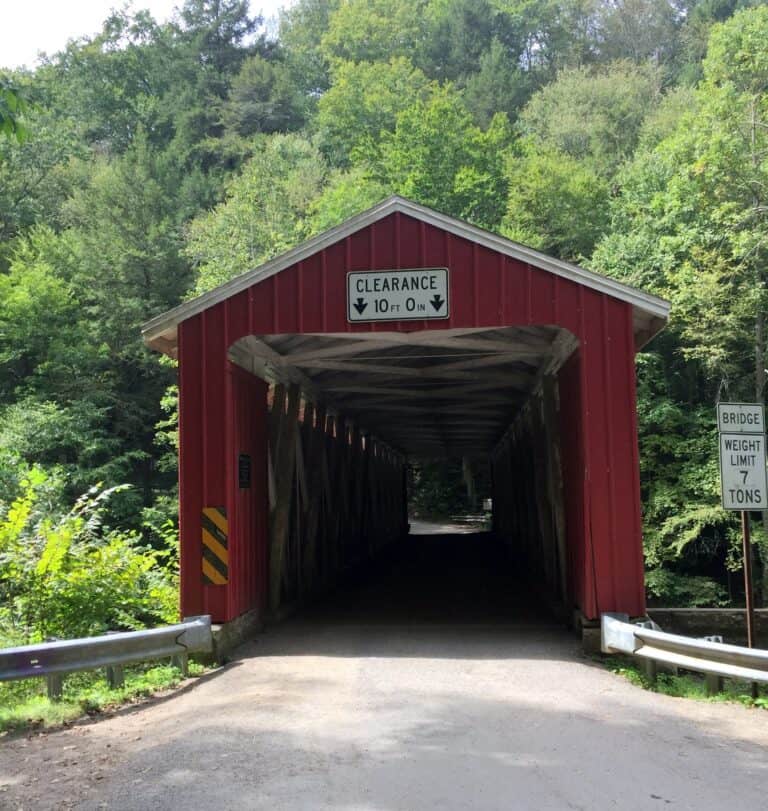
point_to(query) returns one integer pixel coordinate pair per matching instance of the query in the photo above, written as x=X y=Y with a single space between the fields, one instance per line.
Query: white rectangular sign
x=397 y=295
x=740 y=418
x=742 y=471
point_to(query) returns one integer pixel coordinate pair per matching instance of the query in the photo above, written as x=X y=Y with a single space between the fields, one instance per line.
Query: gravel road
x=415 y=690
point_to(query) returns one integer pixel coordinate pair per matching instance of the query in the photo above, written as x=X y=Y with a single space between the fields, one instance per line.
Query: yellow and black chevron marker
x=215 y=533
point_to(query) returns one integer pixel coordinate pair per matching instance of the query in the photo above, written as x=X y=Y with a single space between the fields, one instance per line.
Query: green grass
x=686 y=685
x=24 y=705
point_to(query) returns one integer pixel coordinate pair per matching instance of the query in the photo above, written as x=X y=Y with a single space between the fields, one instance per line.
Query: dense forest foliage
x=154 y=161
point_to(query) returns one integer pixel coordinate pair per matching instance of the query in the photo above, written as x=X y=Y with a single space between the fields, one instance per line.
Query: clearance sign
x=742 y=456
x=397 y=295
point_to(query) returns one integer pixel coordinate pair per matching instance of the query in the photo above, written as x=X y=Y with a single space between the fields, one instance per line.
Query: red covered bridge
x=308 y=383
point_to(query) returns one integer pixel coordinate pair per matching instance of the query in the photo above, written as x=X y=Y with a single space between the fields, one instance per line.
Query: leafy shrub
x=674 y=589
x=69 y=575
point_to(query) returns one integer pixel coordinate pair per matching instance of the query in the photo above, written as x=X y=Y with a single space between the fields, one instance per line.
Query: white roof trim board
x=655 y=310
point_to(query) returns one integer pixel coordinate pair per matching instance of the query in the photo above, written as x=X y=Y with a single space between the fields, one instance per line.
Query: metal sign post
x=743 y=483
x=746 y=541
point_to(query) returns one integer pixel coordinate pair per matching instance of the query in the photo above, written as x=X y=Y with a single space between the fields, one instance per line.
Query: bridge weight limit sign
x=743 y=480
x=742 y=456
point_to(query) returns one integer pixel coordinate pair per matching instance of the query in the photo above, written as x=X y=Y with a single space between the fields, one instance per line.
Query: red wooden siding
x=223 y=410
x=249 y=507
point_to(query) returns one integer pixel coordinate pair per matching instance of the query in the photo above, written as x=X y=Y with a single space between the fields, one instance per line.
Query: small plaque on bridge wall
x=244 y=471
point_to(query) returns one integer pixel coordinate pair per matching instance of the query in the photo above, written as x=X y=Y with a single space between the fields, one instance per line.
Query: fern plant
x=70 y=575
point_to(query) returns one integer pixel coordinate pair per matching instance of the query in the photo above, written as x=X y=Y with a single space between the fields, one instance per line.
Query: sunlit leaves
x=265 y=211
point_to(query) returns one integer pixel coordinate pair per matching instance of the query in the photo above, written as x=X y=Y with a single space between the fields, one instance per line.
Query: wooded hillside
x=154 y=161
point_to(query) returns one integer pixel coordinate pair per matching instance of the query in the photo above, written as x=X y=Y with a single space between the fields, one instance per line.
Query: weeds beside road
x=24 y=704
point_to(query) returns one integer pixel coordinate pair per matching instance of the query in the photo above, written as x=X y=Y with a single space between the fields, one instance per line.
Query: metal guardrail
x=709 y=655
x=53 y=660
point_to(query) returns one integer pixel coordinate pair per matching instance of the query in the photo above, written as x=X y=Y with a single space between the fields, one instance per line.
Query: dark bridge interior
x=347 y=414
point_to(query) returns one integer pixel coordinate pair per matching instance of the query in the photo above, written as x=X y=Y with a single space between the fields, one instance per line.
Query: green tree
x=375 y=30
x=129 y=237
x=265 y=211
x=639 y=30
x=459 y=33
x=57 y=386
x=263 y=98
x=13 y=106
x=593 y=114
x=37 y=175
x=439 y=157
x=345 y=193
x=116 y=83
x=556 y=203
x=363 y=102
x=302 y=27
x=219 y=32
x=500 y=85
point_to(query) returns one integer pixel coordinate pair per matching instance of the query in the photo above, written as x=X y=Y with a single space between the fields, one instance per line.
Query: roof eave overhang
x=650 y=312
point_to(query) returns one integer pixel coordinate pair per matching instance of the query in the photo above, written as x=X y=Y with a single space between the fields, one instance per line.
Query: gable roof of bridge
x=650 y=311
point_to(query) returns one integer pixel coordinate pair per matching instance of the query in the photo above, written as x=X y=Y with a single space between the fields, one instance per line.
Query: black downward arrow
x=437 y=302
x=360 y=305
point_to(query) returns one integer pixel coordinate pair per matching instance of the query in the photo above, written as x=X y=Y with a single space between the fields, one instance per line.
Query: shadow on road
x=436 y=595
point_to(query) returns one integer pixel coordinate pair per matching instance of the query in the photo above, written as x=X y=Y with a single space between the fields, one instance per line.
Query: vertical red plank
x=504 y=315
x=410 y=243
x=300 y=296
x=515 y=294
x=287 y=300
x=324 y=288
x=247 y=506
x=475 y=286
x=336 y=288
x=261 y=300
x=359 y=249
x=312 y=294
x=237 y=317
x=214 y=426
x=259 y=416
x=385 y=255
x=488 y=287
x=214 y=405
x=614 y=467
x=574 y=476
x=462 y=282
x=542 y=297
x=628 y=565
x=593 y=409
x=435 y=247
x=568 y=306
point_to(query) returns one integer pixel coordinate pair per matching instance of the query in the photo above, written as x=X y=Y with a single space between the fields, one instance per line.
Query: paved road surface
x=411 y=692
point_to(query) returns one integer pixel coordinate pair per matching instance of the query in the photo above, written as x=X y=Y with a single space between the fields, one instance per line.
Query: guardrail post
x=181 y=661
x=651 y=670
x=55 y=684
x=713 y=684
x=115 y=676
